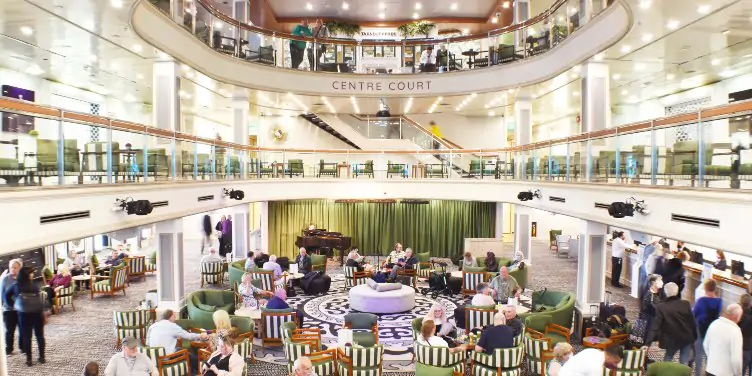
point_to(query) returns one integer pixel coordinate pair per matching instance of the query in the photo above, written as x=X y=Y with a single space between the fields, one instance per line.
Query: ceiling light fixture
x=137 y=47
x=34 y=70
x=672 y=24
x=703 y=9
x=218 y=25
x=453 y=6
x=309 y=6
x=505 y=5
x=345 y=6
x=140 y=76
x=715 y=62
x=26 y=30
x=624 y=92
x=647 y=37
x=416 y=16
x=418 y=6
x=670 y=76
x=598 y=57
x=491 y=113
x=726 y=73
x=495 y=20
x=616 y=77
x=626 y=49
x=382 y=16
x=726 y=32
x=645 y=4
x=116 y=3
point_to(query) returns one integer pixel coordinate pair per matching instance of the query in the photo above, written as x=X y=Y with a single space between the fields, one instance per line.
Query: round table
x=596 y=342
x=456 y=274
x=254 y=314
x=365 y=299
x=79 y=279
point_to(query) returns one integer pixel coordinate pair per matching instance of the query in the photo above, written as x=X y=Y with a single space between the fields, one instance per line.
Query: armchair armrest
x=342 y=356
x=557 y=329
x=97 y=276
x=321 y=355
x=534 y=333
x=203 y=355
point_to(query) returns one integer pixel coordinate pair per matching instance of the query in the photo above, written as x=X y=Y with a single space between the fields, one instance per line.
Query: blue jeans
x=685 y=353
x=746 y=363
x=699 y=354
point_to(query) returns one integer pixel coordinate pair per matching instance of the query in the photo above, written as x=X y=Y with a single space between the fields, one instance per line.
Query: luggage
x=315 y=283
x=436 y=281
x=455 y=284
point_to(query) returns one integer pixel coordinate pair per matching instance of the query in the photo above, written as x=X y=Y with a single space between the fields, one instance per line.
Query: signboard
x=379 y=33
x=395 y=86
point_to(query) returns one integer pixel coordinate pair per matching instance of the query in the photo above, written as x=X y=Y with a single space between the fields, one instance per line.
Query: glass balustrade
x=453 y=53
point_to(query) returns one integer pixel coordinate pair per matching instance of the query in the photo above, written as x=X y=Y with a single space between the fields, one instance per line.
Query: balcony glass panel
x=635 y=156
x=678 y=155
x=727 y=153
x=604 y=160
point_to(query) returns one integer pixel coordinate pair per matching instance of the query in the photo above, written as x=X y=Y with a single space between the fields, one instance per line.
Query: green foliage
x=342 y=28
x=421 y=28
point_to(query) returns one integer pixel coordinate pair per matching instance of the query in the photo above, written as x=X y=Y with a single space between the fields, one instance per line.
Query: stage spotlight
x=234 y=194
x=130 y=206
x=529 y=195
x=628 y=208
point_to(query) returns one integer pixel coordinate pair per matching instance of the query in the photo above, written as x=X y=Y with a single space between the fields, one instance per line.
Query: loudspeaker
x=621 y=210
x=139 y=207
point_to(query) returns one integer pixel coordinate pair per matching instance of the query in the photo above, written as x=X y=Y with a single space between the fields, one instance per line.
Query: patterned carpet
x=74 y=338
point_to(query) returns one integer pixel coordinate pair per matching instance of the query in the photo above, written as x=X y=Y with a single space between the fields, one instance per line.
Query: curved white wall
x=22 y=209
x=595 y=36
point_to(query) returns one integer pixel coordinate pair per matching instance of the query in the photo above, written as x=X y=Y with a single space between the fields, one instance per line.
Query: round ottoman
x=365 y=299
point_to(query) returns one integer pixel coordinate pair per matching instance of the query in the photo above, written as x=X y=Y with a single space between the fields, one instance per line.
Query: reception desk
x=731 y=287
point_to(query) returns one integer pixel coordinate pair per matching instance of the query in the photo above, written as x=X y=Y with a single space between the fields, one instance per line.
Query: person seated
x=468 y=261
x=249 y=264
x=222 y=327
x=311 y=226
x=590 y=362
x=92 y=369
x=166 y=333
x=128 y=362
x=492 y=266
x=279 y=301
x=393 y=257
x=438 y=315
x=355 y=260
x=115 y=258
x=248 y=291
x=224 y=361
x=408 y=262
x=513 y=321
x=504 y=286
x=481 y=298
x=212 y=256
x=562 y=352
x=304 y=261
x=259 y=258
x=498 y=336
x=720 y=262
x=428 y=337
x=75 y=262
x=276 y=268
x=60 y=280
x=303 y=367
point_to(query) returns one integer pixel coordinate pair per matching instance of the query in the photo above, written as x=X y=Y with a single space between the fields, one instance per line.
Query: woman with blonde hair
x=223 y=327
x=562 y=352
x=438 y=315
x=224 y=360
x=428 y=337
x=248 y=291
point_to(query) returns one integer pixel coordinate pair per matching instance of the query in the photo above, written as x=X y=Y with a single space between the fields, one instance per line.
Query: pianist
x=303 y=261
x=394 y=257
x=312 y=226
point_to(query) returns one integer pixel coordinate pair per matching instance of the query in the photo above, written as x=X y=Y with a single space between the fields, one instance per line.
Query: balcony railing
x=46 y=146
x=273 y=48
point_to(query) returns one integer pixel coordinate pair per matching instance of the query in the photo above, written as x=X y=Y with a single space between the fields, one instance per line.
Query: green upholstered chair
x=110 y=284
x=502 y=362
x=136 y=267
x=356 y=361
x=290 y=331
x=131 y=324
x=399 y=169
x=64 y=297
x=439 y=357
x=235 y=271
x=684 y=159
x=213 y=273
x=47 y=155
x=295 y=167
x=436 y=170
x=668 y=369
x=501 y=261
x=157 y=162
x=201 y=305
x=605 y=164
x=475 y=168
x=544 y=325
x=327 y=168
x=353 y=277
x=478 y=316
x=471 y=278
x=175 y=364
x=365 y=327
x=266 y=277
x=632 y=364
x=364 y=168
x=426 y=370
x=272 y=321
x=537 y=350
x=94 y=158
x=324 y=362
x=151 y=263
x=424 y=264
x=557 y=304
x=318 y=263
x=242 y=324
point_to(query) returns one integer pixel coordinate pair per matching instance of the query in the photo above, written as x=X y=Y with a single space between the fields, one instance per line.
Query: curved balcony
x=247 y=56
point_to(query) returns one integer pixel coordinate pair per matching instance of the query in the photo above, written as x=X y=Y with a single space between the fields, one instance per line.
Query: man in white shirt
x=723 y=344
x=590 y=362
x=483 y=296
x=211 y=257
x=274 y=266
x=394 y=257
x=130 y=362
x=428 y=60
x=165 y=333
x=618 y=247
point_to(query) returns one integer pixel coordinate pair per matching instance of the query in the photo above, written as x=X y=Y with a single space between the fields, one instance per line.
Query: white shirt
x=482 y=300
x=165 y=333
x=723 y=346
x=433 y=341
x=618 y=245
x=588 y=362
x=140 y=366
x=211 y=257
x=427 y=57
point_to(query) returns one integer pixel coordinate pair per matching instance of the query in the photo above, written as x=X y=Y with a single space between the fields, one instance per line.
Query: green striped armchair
x=360 y=361
x=424 y=264
x=324 y=362
x=440 y=357
x=537 y=350
x=151 y=263
x=266 y=277
x=212 y=273
x=110 y=284
x=503 y=362
x=632 y=364
x=478 y=317
x=272 y=321
x=136 y=267
x=471 y=278
x=131 y=324
x=353 y=277
x=175 y=364
x=64 y=297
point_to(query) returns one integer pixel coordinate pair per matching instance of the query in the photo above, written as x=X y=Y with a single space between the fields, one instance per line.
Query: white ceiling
x=371 y=10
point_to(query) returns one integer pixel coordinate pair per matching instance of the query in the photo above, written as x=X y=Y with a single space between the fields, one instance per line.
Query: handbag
x=28 y=303
x=640 y=328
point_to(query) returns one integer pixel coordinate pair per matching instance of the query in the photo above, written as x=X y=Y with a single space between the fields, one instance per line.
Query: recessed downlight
x=27 y=30
x=672 y=24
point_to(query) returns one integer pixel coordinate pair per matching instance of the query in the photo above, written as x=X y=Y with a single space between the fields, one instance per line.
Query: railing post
x=653 y=155
x=109 y=153
x=701 y=156
x=568 y=166
x=617 y=162
x=60 y=151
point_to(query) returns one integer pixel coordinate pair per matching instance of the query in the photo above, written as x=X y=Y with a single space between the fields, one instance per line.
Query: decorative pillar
x=523 y=130
x=499 y=227
x=240 y=231
x=240 y=124
x=521 y=14
x=166 y=86
x=522 y=232
x=170 y=283
x=591 y=265
x=265 y=227
x=596 y=103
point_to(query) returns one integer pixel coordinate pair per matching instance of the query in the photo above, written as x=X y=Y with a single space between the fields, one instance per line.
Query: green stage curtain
x=439 y=227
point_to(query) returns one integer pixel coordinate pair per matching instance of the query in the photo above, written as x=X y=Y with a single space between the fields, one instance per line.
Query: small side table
x=343 y=170
x=419 y=171
x=596 y=342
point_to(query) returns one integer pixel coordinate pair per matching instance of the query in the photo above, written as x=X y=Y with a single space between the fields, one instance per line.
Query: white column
x=499 y=228
x=521 y=14
x=240 y=231
x=166 y=100
x=265 y=227
x=596 y=105
x=523 y=130
x=170 y=284
x=591 y=265
x=523 y=240
x=241 y=105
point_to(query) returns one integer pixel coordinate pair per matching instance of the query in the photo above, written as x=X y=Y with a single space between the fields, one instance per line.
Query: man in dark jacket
x=409 y=262
x=745 y=324
x=673 y=326
x=303 y=261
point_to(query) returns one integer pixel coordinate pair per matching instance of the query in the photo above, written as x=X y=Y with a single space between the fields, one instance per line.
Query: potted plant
x=422 y=28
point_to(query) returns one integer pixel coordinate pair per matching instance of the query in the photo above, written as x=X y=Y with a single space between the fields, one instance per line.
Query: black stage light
x=138 y=207
x=234 y=194
x=621 y=209
x=525 y=196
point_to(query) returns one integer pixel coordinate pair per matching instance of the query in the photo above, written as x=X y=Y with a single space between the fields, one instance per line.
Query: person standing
x=673 y=326
x=436 y=132
x=428 y=60
x=706 y=310
x=206 y=233
x=297 y=47
x=218 y=227
x=618 y=246
x=320 y=33
x=723 y=344
x=227 y=237
x=745 y=324
x=10 y=315
x=25 y=298
x=650 y=300
x=504 y=286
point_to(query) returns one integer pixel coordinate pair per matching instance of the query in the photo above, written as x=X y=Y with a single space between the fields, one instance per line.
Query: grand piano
x=319 y=240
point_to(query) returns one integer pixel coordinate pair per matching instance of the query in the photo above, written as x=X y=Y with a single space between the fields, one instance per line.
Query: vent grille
x=556 y=199
x=696 y=220
x=47 y=219
x=599 y=205
x=159 y=204
x=206 y=198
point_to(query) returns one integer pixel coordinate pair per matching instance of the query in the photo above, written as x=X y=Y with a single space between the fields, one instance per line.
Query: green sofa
x=235 y=271
x=521 y=275
x=557 y=304
x=202 y=304
x=668 y=369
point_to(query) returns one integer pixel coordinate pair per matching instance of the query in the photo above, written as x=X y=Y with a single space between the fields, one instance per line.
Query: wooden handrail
x=21 y=107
